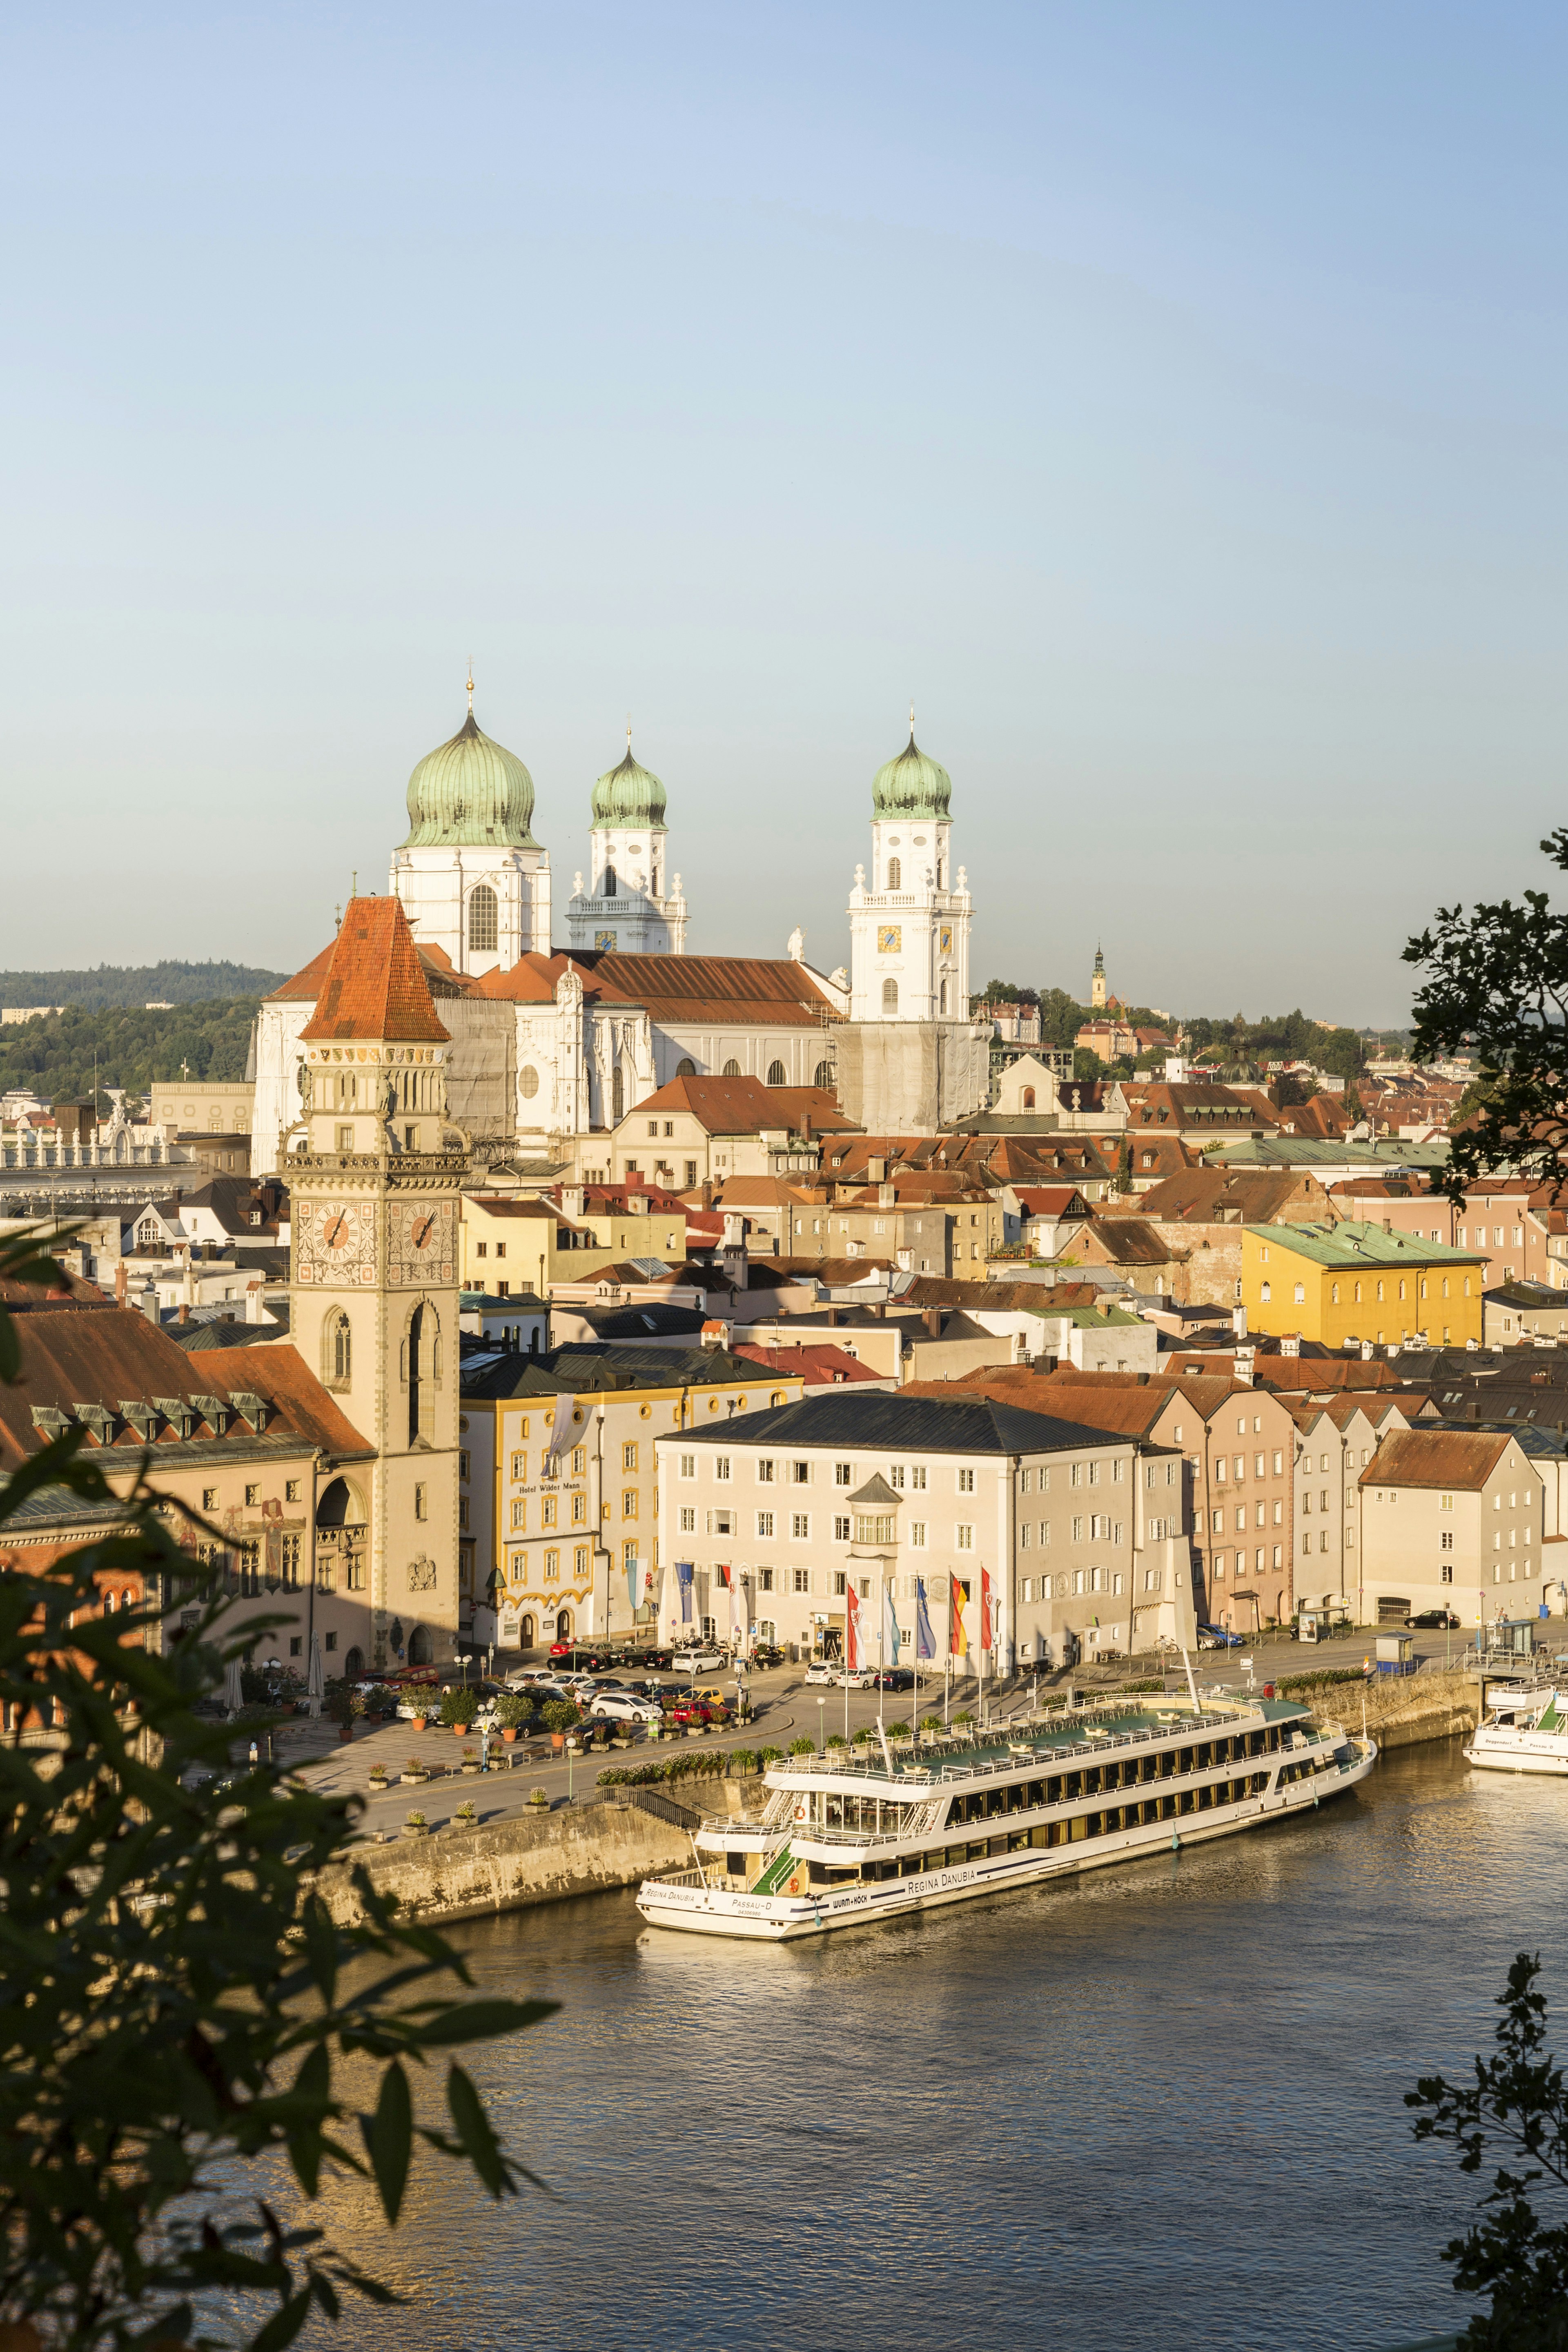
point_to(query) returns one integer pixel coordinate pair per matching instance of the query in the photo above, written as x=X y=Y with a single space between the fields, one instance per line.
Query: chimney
x=932 y=1318
x=252 y=1303
x=887 y=1196
x=1388 y=1225
x=1366 y=1351
x=1290 y=1344
x=1239 y=1322
x=832 y=1318
x=120 y=1290
x=185 y=1315
x=571 y=1202
x=150 y=1301
x=876 y=1171
x=1243 y=1360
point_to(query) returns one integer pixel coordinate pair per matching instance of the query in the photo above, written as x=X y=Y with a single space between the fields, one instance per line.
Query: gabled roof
x=771 y=991
x=1351 y=1244
x=823 y=1366
x=1052 y=1201
x=951 y=1421
x=581 y=1367
x=742 y=1105
x=1130 y=1412
x=375 y=987
x=1435 y=1457
x=1127 y=1241
x=1223 y=1195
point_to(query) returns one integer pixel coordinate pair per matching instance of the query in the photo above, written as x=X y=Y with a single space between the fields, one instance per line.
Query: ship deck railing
x=1020 y=1754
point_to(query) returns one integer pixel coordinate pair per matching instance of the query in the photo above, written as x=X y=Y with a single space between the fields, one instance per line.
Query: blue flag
x=684 y=1572
x=924 y=1643
x=890 y=1633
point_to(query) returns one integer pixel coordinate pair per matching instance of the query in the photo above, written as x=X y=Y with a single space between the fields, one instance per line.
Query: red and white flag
x=853 y=1656
x=987 y=1628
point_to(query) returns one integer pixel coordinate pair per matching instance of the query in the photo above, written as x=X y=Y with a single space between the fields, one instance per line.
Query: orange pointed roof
x=375 y=984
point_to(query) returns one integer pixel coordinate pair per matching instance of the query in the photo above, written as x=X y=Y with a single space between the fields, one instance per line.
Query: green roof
x=1312 y=1152
x=627 y=794
x=1350 y=1244
x=1088 y=1319
x=470 y=791
x=912 y=786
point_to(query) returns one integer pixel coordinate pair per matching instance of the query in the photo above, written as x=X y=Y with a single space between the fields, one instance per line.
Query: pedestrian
x=255 y=1755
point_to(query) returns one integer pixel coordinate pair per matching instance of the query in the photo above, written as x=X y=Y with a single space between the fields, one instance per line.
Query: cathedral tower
x=374 y=1178
x=472 y=881
x=910 y=1057
x=1097 y=982
x=631 y=905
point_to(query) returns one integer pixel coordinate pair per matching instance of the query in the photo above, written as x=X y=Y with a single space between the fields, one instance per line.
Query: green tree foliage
x=1519 y=2099
x=177 y=2008
x=1061 y=1017
x=55 y=1055
x=131 y=987
x=1004 y=991
x=1497 y=985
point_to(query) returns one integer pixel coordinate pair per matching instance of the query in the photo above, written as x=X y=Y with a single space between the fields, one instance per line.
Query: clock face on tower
x=889 y=939
x=419 y=1241
x=336 y=1243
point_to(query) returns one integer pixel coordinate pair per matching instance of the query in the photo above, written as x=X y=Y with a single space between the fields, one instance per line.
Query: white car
x=825 y=1674
x=696 y=1662
x=855 y=1678
x=623 y=1706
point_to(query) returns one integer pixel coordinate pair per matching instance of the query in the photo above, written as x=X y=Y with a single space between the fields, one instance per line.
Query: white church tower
x=910 y=1058
x=472 y=881
x=632 y=905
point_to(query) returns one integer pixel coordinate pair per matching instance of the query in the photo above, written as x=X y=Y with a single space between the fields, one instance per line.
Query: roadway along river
x=1159 y=2107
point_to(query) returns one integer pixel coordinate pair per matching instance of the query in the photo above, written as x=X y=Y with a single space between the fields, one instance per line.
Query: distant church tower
x=631 y=907
x=910 y=1057
x=1097 y=985
x=472 y=881
x=374 y=1187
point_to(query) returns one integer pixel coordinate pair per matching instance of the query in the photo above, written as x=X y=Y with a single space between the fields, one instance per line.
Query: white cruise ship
x=842 y=1839
x=1522 y=1731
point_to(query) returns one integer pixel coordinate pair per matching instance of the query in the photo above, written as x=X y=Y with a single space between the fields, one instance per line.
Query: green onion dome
x=912 y=786
x=628 y=795
x=470 y=791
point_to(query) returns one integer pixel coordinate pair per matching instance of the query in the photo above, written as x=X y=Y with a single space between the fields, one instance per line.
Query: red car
x=697 y=1710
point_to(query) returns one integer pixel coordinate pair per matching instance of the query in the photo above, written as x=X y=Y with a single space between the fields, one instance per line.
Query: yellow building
x=510 y=1245
x=1344 y=1283
x=558 y=1499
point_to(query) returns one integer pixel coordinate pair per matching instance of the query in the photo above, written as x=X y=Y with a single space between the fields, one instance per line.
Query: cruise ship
x=842 y=1839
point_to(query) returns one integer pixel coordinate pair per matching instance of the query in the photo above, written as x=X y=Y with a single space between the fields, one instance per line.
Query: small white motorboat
x=1522 y=1731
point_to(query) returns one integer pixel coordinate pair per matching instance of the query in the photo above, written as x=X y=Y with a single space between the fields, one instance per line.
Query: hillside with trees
x=1276 y=1037
x=53 y=1056
x=135 y=986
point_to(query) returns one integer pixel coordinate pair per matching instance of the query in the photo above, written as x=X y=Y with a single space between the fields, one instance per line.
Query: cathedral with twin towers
x=555 y=1042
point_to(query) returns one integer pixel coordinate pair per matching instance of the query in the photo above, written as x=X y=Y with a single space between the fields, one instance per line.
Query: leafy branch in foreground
x=176 y=2003
x=1499 y=986
x=1518 y=2097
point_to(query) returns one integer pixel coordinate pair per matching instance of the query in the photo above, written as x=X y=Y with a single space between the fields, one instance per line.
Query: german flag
x=957 y=1639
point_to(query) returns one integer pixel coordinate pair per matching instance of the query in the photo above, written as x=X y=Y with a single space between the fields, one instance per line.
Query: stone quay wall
x=1402 y=1711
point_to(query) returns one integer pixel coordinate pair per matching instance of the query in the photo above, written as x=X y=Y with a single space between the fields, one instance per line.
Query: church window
x=685 y=1067
x=776 y=1076
x=1029 y=1091
x=338 y=1350
x=894 y=874
x=890 y=995
x=483 y=929
x=618 y=1091
x=610 y=882
x=528 y=1082
x=823 y=1075
x=946 y=1007
x=421 y=1503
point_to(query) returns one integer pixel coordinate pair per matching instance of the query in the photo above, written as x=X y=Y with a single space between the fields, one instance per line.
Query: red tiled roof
x=819 y=1366
x=1435 y=1457
x=741 y=1106
x=375 y=985
x=712 y=988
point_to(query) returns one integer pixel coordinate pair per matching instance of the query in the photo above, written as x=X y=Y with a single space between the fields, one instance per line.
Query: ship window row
x=1173 y=1805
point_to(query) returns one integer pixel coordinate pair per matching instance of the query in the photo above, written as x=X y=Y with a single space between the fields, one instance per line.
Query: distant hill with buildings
x=137 y=985
x=55 y=1056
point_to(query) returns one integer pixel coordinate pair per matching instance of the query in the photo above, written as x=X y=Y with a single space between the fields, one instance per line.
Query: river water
x=1158 y=2106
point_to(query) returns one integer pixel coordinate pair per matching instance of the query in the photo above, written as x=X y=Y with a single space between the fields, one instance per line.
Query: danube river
x=1160 y=2106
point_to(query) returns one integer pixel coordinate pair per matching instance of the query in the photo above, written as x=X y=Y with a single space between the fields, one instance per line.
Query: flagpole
x=880 y=1654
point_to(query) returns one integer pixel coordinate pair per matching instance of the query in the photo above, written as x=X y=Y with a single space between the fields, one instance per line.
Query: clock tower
x=375 y=1176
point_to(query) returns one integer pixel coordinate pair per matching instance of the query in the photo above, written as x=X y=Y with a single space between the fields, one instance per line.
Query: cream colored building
x=509 y=1244
x=1334 y=1442
x=1452 y=1520
x=559 y=1500
x=212 y=1106
x=1080 y=1537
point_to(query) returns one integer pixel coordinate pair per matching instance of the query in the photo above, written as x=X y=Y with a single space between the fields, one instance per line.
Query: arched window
x=607 y=888
x=890 y=995
x=483 y=927
x=685 y=1067
x=894 y=874
x=1028 y=1092
x=618 y=1090
x=337 y=1350
x=421 y=1352
x=946 y=986
x=563 y=1625
x=419 y=1647
x=732 y=1069
x=776 y=1074
x=823 y=1076
x=526 y=1633
x=528 y=1082
x=353 y=1663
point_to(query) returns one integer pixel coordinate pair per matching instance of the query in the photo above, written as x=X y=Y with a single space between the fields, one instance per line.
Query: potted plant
x=802 y=1748
x=458 y=1708
x=538 y=1797
x=419 y=1721
x=513 y=1709
x=413 y=1770
x=559 y=1714
x=416 y=1825
x=470 y=1760
x=378 y=1776
x=464 y=1817
x=339 y=1707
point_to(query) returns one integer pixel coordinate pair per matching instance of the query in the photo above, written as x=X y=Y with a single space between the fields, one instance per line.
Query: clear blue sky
x=1168 y=398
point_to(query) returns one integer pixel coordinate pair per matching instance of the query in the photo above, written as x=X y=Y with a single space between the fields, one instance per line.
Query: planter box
x=416 y=1829
x=468 y=1768
x=415 y=1779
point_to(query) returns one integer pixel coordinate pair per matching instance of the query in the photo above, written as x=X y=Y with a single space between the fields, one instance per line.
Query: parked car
x=1216 y=1637
x=619 y=1707
x=824 y=1674
x=699 y=1661
x=1442 y=1620
x=893 y=1678
x=699 y=1710
x=856 y=1678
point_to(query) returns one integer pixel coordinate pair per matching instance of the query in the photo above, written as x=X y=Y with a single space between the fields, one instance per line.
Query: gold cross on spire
x=912 y=721
x=470 y=686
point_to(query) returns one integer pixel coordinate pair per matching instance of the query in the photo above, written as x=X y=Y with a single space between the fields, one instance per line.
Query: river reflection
x=1158 y=2106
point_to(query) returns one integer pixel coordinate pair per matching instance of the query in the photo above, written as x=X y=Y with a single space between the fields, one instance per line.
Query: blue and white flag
x=684 y=1573
x=889 y=1624
x=924 y=1640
